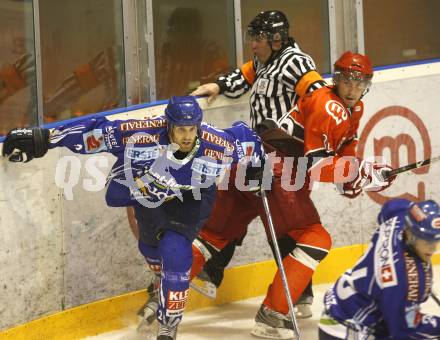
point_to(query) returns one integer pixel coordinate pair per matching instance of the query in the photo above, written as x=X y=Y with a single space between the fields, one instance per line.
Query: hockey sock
x=298 y=276
x=176 y=253
x=313 y=244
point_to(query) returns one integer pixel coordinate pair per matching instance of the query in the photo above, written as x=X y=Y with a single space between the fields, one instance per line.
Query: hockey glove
x=24 y=144
x=255 y=173
x=370 y=177
x=259 y=177
x=267 y=124
x=349 y=191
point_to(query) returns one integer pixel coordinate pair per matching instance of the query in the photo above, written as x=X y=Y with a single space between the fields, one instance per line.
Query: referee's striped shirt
x=276 y=85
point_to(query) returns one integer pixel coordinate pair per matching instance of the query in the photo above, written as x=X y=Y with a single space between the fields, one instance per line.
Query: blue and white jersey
x=146 y=170
x=383 y=291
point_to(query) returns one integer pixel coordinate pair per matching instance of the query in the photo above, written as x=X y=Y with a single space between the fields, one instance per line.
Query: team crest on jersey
x=383 y=255
x=336 y=110
x=436 y=223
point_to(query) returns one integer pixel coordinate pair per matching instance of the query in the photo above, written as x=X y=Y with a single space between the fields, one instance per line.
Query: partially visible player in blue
x=166 y=169
x=380 y=297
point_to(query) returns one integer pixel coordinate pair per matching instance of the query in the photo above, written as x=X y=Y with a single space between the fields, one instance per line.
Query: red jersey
x=327 y=129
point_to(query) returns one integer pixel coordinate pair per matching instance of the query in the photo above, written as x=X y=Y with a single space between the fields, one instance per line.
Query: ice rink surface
x=235 y=320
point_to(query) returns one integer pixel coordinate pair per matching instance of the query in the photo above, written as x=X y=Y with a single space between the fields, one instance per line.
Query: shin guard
x=312 y=245
x=176 y=254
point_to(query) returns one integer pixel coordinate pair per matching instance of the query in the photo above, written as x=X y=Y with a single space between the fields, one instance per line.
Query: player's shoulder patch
x=384 y=264
x=94 y=141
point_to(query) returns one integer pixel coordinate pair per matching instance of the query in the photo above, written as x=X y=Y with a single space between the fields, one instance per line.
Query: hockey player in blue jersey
x=380 y=297
x=166 y=169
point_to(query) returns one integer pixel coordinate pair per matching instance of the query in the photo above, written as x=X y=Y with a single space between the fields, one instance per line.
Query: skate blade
x=205 y=288
x=146 y=327
x=303 y=311
x=261 y=330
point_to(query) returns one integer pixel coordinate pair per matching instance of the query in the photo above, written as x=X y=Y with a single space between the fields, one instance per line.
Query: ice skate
x=303 y=308
x=147 y=313
x=203 y=285
x=270 y=324
x=166 y=332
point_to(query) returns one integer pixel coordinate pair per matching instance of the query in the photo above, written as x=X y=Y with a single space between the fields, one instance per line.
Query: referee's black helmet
x=267 y=24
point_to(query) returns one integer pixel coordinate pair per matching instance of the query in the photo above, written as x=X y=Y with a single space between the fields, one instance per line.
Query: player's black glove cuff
x=259 y=179
x=255 y=172
x=24 y=144
x=267 y=124
x=222 y=85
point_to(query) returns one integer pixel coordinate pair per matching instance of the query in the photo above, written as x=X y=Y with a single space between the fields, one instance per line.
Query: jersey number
x=345 y=285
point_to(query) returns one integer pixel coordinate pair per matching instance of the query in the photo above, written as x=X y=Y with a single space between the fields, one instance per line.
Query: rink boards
x=61 y=247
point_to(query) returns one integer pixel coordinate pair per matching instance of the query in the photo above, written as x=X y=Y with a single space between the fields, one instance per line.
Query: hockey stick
x=280 y=263
x=412 y=166
x=435 y=297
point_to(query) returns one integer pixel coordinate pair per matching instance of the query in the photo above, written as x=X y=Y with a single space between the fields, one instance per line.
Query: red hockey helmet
x=354 y=66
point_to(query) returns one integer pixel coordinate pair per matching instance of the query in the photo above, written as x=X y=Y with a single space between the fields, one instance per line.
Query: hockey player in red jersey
x=323 y=126
x=276 y=77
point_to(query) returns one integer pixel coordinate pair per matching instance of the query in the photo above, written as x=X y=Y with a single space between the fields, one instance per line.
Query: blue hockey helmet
x=183 y=111
x=423 y=219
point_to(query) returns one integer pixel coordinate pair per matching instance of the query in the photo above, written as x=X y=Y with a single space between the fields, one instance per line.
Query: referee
x=277 y=76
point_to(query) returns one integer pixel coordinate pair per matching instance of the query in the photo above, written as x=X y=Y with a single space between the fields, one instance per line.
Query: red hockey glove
x=370 y=177
x=348 y=190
